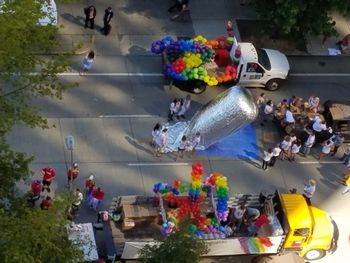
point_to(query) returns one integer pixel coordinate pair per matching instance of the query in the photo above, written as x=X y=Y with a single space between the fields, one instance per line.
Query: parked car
x=337 y=116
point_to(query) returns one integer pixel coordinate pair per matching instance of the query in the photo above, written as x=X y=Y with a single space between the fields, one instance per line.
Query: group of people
x=40 y=189
x=178 y=107
x=181 y=6
x=90 y=14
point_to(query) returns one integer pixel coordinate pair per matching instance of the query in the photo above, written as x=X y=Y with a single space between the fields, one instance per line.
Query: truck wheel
x=314 y=254
x=262 y=259
x=273 y=84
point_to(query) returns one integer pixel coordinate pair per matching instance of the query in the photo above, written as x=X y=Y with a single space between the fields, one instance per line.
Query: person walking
x=173 y=109
x=310 y=141
x=309 y=190
x=48 y=174
x=268 y=112
x=182 y=8
x=156 y=131
x=90 y=14
x=186 y=103
x=97 y=197
x=87 y=62
x=78 y=198
x=182 y=147
x=46 y=203
x=107 y=21
x=160 y=143
x=276 y=152
x=347 y=184
x=89 y=186
x=229 y=28
x=72 y=173
x=195 y=142
x=295 y=149
x=35 y=188
x=326 y=149
x=338 y=140
x=346 y=156
x=266 y=159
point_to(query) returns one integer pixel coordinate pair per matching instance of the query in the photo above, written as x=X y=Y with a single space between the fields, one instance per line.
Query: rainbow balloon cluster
x=196 y=182
x=188 y=58
x=219 y=181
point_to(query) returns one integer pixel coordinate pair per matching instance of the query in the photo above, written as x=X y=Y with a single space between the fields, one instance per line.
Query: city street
x=113 y=110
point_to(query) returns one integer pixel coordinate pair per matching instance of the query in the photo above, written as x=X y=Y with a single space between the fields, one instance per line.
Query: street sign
x=69 y=142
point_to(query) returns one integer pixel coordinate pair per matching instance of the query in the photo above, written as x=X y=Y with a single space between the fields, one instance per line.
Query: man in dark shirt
x=107 y=18
x=90 y=14
x=181 y=6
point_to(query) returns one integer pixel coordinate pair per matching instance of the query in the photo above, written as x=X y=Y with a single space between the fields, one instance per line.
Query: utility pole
x=69 y=143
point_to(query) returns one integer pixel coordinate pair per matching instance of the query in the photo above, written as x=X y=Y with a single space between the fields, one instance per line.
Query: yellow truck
x=294 y=227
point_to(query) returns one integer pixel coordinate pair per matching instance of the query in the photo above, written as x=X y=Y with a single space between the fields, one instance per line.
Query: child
x=160 y=143
x=229 y=28
x=195 y=142
x=182 y=148
x=155 y=133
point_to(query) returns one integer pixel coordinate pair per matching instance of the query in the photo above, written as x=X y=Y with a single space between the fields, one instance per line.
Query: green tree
x=32 y=235
x=298 y=17
x=178 y=247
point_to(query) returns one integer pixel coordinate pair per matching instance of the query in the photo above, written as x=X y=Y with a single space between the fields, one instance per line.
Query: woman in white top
x=285 y=146
x=314 y=102
x=195 y=142
x=266 y=159
x=184 y=107
x=182 y=147
x=295 y=150
x=275 y=154
x=326 y=149
x=309 y=190
x=155 y=133
x=160 y=142
x=310 y=141
x=88 y=61
x=268 y=112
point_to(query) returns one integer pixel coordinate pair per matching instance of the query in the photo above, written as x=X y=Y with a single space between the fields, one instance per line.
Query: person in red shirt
x=73 y=172
x=36 y=187
x=89 y=186
x=48 y=176
x=46 y=203
x=97 y=196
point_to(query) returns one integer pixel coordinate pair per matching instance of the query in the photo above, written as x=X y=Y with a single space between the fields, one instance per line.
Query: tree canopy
x=178 y=247
x=298 y=17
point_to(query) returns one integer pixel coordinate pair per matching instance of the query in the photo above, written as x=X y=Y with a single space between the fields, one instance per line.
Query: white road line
x=318 y=162
x=128 y=116
x=158 y=164
x=114 y=74
x=319 y=74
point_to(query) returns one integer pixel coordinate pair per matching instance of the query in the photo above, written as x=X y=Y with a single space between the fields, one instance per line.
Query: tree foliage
x=298 y=17
x=32 y=235
x=178 y=247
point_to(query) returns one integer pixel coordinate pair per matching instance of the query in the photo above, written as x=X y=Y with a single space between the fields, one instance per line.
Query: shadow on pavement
x=79 y=20
x=138 y=145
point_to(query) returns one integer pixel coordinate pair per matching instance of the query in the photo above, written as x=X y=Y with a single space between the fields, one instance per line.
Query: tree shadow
x=78 y=20
x=249 y=159
x=138 y=145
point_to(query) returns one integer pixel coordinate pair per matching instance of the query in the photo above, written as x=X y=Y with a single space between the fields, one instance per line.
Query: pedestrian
x=326 y=149
x=34 y=194
x=289 y=118
x=338 y=140
x=72 y=173
x=46 y=203
x=90 y=14
x=268 y=112
x=347 y=183
x=314 y=102
x=87 y=62
x=89 y=186
x=260 y=101
x=185 y=105
x=266 y=159
x=48 y=174
x=160 y=143
x=310 y=141
x=276 y=151
x=295 y=149
x=346 y=156
x=195 y=142
x=78 y=198
x=182 y=8
x=107 y=20
x=285 y=146
x=182 y=147
x=229 y=28
x=309 y=190
x=97 y=197
x=238 y=216
x=173 y=109
x=157 y=129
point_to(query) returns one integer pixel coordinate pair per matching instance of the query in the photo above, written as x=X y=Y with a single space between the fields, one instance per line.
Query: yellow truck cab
x=309 y=229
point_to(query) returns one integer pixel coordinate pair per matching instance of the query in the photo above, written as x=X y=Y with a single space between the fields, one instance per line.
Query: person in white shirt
x=289 y=118
x=173 y=109
x=314 y=102
x=155 y=133
x=309 y=190
x=338 y=140
x=326 y=149
x=310 y=141
x=237 y=216
x=268 y=112
x=295 y=150
x=185 y=105
x=182 y=147
x=319 y=125
x=266 y=159
x=346 y=156
x=78 y=198
x=160 y=142
x=276 y=151
x=285 y=146
x=195 y=142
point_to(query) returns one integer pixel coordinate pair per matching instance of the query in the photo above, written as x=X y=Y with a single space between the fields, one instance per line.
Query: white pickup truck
x=258 y=67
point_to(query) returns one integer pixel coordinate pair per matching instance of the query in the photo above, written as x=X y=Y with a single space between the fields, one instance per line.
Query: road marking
x=128 y=116
x=319 y=74
x=158 y=164
x=318 y=162
x=114 y=74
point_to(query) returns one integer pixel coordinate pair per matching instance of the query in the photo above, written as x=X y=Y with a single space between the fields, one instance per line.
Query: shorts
x=46 y=182
x=181 y=149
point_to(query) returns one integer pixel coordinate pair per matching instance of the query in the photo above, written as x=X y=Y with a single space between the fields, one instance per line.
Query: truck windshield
x=263 y=58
